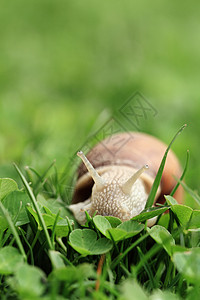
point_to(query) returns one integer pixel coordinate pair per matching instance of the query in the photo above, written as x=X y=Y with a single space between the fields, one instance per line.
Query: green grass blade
x=122 y=255
x=193 y=194
x=35 y=205
x=114 y=243
x=28 y=244
x=54 y=227
x=40 y=178
x=156 y=248
x=34 y=172
x=157 y=180
x=183 y=174
x=13 y=229
x=147 y=268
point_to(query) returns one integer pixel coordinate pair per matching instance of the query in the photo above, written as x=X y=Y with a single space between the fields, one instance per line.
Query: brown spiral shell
x=133 y=149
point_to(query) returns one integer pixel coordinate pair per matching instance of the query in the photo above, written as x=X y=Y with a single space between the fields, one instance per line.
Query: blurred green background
x=66 y=67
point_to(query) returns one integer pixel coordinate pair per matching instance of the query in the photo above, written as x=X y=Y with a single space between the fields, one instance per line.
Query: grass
x=67 y=70
x=41 y=245
x=67 y=67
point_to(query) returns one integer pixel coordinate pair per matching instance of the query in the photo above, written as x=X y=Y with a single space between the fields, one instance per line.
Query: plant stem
x=13 y=229
x=35 y=205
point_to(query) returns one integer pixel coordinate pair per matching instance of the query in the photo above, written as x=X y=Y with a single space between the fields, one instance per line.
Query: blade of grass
x=194 y=195
x=5 y=237
x=35 y=205
x=34 y=242
x=147 y=269
x=117 y=260
x=156 y=248
x=28 y=168
x=54 y=227
x=40 y=177
x=67 y=261
x=157 y=180
x=13 y=229
x=69 y=224
x=174 y=282
x=114 y=243
x=28 y=244
x=147 y=256
x=183 y=174
x=28 y=174
x=108 y=269
x=1 y=237
x=56 y=181
x=171 y=221
x=125 y=270
x=160 y=269
x=168 y=276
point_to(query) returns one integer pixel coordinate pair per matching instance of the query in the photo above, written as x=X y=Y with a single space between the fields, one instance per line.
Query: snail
x=117 y=175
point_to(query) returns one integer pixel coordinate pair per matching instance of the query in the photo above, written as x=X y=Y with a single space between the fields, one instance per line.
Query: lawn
x=70 y=70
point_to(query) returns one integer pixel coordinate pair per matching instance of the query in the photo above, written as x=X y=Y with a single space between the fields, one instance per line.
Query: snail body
x=116 y=181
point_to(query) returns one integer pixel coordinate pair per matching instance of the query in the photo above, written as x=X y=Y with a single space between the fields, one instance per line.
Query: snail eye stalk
x=127 y=186
x=100 y=183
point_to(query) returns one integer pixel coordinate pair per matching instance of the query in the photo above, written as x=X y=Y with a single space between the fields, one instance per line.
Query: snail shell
x=119 y=188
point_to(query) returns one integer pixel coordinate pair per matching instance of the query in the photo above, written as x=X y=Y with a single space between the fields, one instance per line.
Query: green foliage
x=121 y=232
x=28 y=282
x=188 y=264
x=162 y=236
x=149 y=213
x=157 y=180
x=106 y=258
x=66 y=67
x=7 y=185
x=9 y=260
x=85 y=242
x=15 y=203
